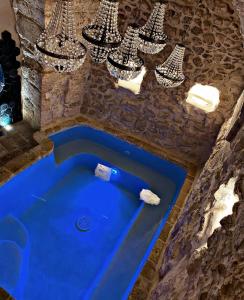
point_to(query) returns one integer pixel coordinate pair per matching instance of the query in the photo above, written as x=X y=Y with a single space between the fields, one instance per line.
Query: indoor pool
x=68 y=235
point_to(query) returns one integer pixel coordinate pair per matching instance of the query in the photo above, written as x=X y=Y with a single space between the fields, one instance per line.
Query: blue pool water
x=68 y=235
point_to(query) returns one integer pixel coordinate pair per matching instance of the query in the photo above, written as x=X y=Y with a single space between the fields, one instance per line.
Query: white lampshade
x=205 y=97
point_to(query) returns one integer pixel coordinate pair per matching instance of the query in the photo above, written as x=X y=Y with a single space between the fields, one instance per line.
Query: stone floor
x=16 y=141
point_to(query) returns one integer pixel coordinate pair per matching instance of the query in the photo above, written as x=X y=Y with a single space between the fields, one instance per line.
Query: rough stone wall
x=214 y=56
x=29 y=23
x=215 y=272
x=15 y=142
x=239 y=5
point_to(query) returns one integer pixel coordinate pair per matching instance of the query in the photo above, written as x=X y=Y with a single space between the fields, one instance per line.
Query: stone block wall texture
x=15 y=142
x=29 y=23
x=239 y=5
x=215 y=272
x=214 y=56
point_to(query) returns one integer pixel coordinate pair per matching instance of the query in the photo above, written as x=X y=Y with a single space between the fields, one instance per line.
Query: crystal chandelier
x=58 y=46
x=152 y=36
x=170 y=73
x=103 y=36
x=125 y=64
x=2 y=80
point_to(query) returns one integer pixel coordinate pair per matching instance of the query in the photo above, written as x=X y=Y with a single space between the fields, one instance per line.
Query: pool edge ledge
x=127 y=137
x=45 y=147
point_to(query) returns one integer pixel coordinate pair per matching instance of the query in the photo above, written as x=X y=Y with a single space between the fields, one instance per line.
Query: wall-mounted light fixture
x=134 y=85
x=225 y=198
x=205 y=97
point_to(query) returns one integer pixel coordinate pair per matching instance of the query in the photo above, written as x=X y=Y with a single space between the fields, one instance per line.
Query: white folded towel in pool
x=149 y=197
x=103 y=172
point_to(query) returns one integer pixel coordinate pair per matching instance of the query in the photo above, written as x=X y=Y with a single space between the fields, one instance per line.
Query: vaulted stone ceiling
x=214 y=56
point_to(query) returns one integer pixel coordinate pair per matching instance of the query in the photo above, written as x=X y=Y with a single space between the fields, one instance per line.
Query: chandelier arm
x=60 y=56
x=169 y=77
x=124 y=67
x=152 y=40
x=96 y=42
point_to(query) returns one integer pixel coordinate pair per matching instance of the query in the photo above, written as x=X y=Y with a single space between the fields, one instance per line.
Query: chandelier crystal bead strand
x=170 y=73
x=2 y=80
x=152 y=36
x=58 y=46
x=125 y=64
x=103 y=37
